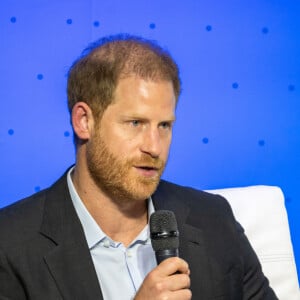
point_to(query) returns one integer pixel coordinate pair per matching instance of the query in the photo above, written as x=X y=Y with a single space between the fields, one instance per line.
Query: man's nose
x=152 y=142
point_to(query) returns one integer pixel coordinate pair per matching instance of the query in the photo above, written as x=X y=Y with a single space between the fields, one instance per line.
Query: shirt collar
x=92 y=230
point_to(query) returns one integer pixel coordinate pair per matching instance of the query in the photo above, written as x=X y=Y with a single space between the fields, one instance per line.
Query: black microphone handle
x=164 y=254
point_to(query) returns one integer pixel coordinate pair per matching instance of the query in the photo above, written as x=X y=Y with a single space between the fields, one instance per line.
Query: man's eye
x=166 y=125
x=135 y=123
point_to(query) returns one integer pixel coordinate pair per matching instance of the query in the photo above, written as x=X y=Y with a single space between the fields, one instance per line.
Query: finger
x=173 y=265
x=185 y=294
x=179 y=281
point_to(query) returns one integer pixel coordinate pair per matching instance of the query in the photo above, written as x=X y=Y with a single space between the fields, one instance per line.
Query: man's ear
x=82 y=120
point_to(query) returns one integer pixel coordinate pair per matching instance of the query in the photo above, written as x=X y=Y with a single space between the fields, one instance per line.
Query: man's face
x=128 y=149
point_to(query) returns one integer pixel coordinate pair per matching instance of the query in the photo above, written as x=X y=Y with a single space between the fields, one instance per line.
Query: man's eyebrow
x=171 y=119
x=143 y=118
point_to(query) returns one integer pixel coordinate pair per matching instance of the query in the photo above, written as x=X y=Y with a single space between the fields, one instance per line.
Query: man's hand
x=169 y=280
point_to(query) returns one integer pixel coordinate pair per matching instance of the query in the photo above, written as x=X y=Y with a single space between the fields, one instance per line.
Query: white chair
x=262 y=213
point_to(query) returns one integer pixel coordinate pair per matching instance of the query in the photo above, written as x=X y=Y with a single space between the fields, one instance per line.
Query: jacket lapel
x=194 y=251
x=69 y=261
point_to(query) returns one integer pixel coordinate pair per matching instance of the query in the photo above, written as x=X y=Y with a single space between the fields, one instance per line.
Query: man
x=87 y=236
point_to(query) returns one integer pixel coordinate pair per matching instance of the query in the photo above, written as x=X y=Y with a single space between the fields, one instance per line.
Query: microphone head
x=163 y=230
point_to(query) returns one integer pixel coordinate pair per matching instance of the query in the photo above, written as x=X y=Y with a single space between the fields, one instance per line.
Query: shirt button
x=129 y=253
x=106 y=243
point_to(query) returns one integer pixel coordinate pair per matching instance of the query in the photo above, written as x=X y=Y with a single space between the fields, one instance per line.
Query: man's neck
x=121 y=222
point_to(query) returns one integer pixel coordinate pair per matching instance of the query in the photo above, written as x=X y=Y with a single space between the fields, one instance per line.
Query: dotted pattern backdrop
x=238 y=119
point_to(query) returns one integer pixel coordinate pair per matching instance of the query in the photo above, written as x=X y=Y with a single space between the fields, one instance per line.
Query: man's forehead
x=136 y=78
x=135 y=94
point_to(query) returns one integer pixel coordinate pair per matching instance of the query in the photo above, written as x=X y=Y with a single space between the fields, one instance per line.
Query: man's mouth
x=147 y=168
x=148 y=171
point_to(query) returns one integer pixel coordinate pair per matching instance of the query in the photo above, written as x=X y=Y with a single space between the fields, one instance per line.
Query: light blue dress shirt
x=120 y=270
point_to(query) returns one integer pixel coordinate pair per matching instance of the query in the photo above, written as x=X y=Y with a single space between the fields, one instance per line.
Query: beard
x=117 y=176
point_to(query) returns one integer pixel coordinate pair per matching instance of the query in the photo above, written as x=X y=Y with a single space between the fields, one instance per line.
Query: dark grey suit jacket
x=44 y=254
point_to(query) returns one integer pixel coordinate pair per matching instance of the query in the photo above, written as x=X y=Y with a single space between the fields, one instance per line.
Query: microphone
x=164 y=235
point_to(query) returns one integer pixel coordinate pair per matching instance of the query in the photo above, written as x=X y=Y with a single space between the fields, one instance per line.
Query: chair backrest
x=262 y=213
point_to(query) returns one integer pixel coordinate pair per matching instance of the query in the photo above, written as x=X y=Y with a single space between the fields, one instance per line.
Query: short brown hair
x=94 y=76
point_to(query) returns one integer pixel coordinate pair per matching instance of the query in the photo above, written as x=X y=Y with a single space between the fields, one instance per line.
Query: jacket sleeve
x=10 y=286
x=255 y=284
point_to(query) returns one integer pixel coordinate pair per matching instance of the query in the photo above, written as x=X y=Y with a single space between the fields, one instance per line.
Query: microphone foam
x=164 y=231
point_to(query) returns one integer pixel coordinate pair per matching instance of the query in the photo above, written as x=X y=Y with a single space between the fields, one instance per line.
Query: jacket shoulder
x=195 y=199
x=22 y=220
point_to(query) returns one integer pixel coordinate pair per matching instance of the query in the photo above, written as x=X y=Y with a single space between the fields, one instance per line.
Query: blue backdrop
x=238 y=119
